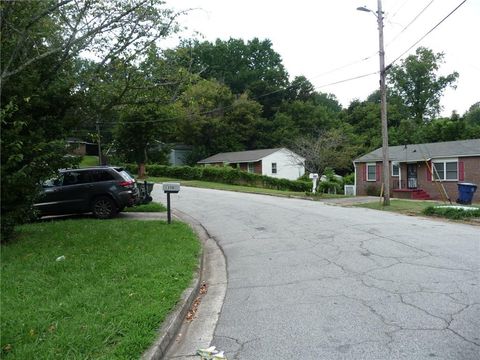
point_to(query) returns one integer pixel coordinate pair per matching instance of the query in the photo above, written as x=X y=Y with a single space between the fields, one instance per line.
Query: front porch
x=409 y=189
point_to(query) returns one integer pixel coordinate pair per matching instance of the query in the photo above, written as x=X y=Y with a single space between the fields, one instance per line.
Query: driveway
x=308 y=280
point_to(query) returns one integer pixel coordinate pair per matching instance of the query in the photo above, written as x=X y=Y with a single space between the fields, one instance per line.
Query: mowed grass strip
x=245 y=189
x=150 y=207
x=409 y=207
x=106 y=299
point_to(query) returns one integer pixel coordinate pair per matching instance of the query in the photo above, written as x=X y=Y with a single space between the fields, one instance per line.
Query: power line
x=321 y=86
x=349 y=79
x=231 y=106
x=344 y=66
x=399 y=8
x=426 y=34
x=371 y=56
x=410 y=23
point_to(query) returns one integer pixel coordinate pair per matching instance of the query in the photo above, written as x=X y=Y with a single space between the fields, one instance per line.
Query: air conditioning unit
x=349 y=190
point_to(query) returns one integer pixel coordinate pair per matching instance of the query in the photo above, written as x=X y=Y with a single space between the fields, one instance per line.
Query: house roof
x=239 y=156
x=74 y=140
x=421 y=152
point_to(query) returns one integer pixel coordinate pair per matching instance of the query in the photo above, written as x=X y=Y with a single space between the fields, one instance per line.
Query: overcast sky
x=317 y=37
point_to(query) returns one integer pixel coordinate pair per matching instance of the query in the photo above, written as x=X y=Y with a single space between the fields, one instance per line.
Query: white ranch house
x=280 y=162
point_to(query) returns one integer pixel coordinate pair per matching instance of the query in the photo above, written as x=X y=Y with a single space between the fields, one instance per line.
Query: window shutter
x=429 y=171
x=363 y=169
x=379 y=171
x=461 y=171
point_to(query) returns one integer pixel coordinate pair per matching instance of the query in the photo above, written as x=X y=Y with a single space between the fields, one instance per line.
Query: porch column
x=400 y=175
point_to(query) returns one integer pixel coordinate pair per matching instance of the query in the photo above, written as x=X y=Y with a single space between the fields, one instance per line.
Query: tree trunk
x=141 y=170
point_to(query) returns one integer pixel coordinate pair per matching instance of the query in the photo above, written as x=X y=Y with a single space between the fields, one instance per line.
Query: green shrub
x=451 y=212
x=330 y=187
x=373 y=190
x=225 y=175
x=349 y=179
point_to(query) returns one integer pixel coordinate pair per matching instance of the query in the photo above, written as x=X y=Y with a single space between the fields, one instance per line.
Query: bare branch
x=75 y=44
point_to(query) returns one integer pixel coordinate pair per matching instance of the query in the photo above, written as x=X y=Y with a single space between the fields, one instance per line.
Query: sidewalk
x=191 y=324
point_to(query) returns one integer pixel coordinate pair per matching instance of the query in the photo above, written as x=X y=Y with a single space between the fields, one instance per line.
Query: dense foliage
x=70 y=67
x=455 y=213
x=225 y=175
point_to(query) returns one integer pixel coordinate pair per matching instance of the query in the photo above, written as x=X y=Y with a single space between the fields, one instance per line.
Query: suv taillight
x=126 y=183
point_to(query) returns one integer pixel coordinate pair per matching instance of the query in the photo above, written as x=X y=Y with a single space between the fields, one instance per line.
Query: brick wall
x=363 y=185
x=471 y=167
x=257 y=167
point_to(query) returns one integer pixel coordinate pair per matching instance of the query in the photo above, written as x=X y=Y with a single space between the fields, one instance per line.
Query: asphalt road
x=308 y=280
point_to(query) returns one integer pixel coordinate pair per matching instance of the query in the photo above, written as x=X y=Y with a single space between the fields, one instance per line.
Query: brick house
x=279 y=162
x=422 y=171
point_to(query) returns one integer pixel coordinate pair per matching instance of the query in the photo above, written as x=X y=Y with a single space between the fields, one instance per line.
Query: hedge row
x=225 y=175
x=452 y=212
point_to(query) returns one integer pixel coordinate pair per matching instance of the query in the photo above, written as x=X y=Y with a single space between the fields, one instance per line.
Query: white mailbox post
x=314 y=178
x=170 y=188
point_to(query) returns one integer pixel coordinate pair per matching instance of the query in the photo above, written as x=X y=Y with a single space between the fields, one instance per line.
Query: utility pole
x=383 y=109
x=99 y=144
x=383 y=104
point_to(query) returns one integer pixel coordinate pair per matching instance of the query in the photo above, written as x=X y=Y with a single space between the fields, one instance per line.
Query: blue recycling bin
x=465 y=193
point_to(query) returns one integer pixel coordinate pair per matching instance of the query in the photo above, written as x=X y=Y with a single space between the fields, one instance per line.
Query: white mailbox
x=171 y=187
x=314 y=177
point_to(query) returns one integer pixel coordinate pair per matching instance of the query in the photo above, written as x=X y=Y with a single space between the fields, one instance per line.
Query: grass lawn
x=89 y=160
x=239 y=188
x=107 y=298
x=150 y=207
x=409 y=207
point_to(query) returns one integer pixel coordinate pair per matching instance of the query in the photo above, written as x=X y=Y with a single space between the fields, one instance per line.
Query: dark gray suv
x=102 y=190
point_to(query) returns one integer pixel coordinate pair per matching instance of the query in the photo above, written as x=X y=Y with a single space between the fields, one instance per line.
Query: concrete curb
x=199 y=332
x=173 y=322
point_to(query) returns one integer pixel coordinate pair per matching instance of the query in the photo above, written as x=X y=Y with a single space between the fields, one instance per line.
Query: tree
x=472 y=116
x=328 y=149
x=244 y=119
x=26 y=160
x=140 y=130
x=251 y=67
x=300 y=89
x=35 y=30
x=42 y=45
x=214 y=120
x=203 y=122
x=144 y=98
x=416 y=82
x=364 y=117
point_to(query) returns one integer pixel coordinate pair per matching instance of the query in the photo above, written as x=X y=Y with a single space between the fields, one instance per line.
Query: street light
x=383 y=103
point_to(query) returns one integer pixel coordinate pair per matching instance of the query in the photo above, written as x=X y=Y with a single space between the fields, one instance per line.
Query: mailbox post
x=170 y=188
x=314 y=178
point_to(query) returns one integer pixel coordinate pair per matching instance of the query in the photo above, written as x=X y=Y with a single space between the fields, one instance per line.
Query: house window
x=445 y=170
x=371 y=172
x=250 y=168
x=395 y=169
x=274 y=168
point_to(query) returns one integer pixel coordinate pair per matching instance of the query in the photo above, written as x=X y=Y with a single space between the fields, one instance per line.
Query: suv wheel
x=104 y=207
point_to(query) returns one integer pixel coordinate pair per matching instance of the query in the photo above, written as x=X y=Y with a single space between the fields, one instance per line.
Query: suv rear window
x=75 y=177
x=101 y=175
x=125 y=175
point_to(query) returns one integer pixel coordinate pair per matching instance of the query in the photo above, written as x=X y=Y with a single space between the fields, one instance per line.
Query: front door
x=412 y=176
